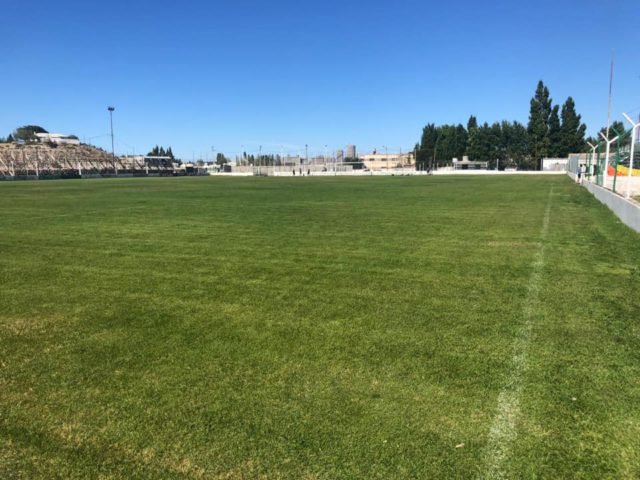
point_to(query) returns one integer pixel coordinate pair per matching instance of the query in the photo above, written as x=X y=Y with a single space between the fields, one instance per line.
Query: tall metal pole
x=113 y=153
x=606 y=157
x=634 y=136
x=593 y=155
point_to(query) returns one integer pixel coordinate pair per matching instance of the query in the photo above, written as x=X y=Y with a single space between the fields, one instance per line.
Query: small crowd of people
x=301 y=172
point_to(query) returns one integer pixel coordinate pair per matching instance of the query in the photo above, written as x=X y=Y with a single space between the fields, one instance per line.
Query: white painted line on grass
x=503 y=430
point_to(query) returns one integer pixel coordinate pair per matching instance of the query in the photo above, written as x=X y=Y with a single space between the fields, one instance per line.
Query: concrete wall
x=627 y=210
x=621 y=184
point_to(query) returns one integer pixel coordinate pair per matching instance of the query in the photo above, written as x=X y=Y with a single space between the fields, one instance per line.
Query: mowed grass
x=316 y=328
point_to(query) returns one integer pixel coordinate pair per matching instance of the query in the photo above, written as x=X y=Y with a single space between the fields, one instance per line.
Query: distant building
x=351 y=152
x=377 y=161
x=58 y=138
x=467 y=164
x=554 y=164
x=340 y=155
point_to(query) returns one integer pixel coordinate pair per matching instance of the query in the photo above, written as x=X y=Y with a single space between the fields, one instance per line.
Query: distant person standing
x=583 y=171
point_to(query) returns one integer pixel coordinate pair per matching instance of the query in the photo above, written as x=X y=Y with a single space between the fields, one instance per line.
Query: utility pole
x=113 y=153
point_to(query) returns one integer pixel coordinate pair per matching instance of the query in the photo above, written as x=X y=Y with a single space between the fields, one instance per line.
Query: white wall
x=626 y=210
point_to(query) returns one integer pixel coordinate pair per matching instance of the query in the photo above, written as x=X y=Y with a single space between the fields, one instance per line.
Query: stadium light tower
x=634 y=137
x=113 y=153
x=606 y=157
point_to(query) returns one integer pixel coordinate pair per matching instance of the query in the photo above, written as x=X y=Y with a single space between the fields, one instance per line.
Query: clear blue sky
x=197 y=74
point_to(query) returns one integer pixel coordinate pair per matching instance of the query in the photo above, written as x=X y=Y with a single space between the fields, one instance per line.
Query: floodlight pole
x=113 y=154
x=606 y=157
x=634 y=136
x=593 y=153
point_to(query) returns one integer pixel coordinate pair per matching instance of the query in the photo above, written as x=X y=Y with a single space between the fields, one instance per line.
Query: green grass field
x=432 y=327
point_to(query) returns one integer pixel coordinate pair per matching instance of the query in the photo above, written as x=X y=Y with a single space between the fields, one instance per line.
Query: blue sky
x=239 y=74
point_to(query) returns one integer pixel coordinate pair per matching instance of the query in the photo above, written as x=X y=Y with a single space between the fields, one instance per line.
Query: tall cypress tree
x=555 y=136
x=538 y=127
x=472 y=123
x=427 y=147
x=572 y=131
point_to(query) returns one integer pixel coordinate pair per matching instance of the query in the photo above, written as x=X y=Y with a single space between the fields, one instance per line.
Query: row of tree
x=26 y=134
x=551 y=132
x=161 y=152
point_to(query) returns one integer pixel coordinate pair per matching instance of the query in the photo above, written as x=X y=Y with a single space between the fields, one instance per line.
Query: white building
x=58 y=138
x=466 y=164
x=377 y=161
x=554 y=164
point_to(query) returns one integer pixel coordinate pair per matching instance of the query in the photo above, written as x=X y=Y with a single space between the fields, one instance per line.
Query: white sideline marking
x=503 y=430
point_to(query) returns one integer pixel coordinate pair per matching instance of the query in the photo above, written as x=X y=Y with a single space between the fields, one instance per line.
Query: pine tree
x=572 y=131
x=427 y=150
x=555 y=135
x=518 y=147
x=472 y=123
x=538 y=127
x=482 y=143
x=451 y=143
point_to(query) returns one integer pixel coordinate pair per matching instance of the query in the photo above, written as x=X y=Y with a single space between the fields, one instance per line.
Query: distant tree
x=10 y=139
x=538 y=127
x=472 y=123
x=461 y=139
x=518 y=147
x=616 y=126
x=451 y=143
x=27 y=133
x=158 y=151
x=221 y=159
x=507 y=143
x=427 y=151
x=555 y=135
x=480 y=148
x=572 y=131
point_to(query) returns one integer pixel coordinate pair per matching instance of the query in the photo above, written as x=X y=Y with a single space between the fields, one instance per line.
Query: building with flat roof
x=378 y=161
x=58 y=138
x=466 y=164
